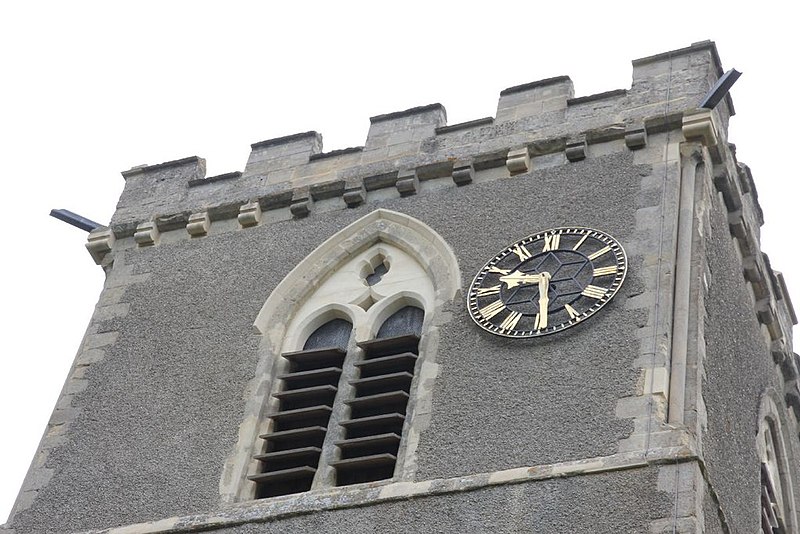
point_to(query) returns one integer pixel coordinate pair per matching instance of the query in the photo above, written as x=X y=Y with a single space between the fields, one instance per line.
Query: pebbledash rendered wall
x=643 y=419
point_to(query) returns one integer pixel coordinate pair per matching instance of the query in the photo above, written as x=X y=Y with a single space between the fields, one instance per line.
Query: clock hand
x=544 y=301
x=518 y=278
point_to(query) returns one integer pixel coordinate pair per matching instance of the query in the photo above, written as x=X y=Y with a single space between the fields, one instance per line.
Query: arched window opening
x=378 y=408
x=293 y=446
x=407 y=320
x=334 y=333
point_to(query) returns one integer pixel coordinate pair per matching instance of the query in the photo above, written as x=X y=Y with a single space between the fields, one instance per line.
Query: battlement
x=537 y=125
x=402 y=148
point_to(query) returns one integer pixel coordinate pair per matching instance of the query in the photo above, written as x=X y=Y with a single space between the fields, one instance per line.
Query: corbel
x=407 y=182
x=301 y=202
x=576 y=149
x=518 y=160
x=463 y=172
x=768 y=316
x=198 y=224
x=355 y=193
x=249 y=214
x=698 y=125
x=146 y=234
x=635 y=136
x=99 y=243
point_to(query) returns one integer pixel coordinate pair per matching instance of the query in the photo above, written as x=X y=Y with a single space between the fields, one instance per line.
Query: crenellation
x=468 y=125
x=212 y=179
x=282 y=153
x=405 y=127
x=336 y=153
x=534 y=98
x=411 y=146
x=597 y=97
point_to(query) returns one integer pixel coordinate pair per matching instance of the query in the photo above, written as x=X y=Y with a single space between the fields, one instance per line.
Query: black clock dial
x=547 y=282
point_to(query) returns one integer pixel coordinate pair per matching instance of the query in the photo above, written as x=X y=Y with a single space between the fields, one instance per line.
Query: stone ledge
x=286 y=139
x=358 y=495
x=141 y=169
x=407 y=112
x=597 y=96
x=486 y=121
x=532 y=85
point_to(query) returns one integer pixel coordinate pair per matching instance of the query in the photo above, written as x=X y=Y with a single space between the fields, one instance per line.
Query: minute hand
x=518 y=278
x=544 y=300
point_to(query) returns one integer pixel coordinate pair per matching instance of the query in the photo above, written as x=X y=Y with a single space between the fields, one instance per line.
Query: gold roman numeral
x=599 y=252
x=576 y=247
x=604 y=271
x=498 y=270
x=571 y=311
x=593 y=292
x=510 y=322
x=490 y=310
x=521 y=252
x=486 y=291
x=551 y=242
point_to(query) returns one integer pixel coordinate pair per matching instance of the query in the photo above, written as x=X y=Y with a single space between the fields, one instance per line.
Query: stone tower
x=289 y=348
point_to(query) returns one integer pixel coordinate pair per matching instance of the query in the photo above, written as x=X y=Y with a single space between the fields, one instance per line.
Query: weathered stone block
x=249 y=214
x=146 y=234
x=518 y=161
x=407 y=182
x=463 y=172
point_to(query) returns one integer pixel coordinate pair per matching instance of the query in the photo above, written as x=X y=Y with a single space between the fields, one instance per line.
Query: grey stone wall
x=738 y=371
x=172 y=386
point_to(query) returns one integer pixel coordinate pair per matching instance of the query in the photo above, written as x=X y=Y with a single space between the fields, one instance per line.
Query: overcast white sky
x=88 y=89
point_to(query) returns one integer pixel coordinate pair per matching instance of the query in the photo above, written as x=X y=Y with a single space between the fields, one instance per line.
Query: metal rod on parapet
x=75 y=220
x=720 y=89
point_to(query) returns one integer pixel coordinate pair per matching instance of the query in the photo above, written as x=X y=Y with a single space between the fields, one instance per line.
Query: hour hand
x=518 y=278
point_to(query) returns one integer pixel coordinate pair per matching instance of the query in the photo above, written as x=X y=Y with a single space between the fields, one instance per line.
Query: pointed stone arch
x=328 y=284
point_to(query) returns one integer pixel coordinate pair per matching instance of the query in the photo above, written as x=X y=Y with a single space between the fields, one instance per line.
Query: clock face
x=547 y=282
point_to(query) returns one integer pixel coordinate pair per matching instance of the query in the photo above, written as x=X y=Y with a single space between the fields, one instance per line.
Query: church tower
x=556 y=319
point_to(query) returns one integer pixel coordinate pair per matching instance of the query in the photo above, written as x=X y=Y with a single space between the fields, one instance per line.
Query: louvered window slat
x=378 y=410
x=771 y=520
x=305 y=403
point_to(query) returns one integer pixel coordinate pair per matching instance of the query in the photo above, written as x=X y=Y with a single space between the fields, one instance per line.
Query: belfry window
x=343 y=339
